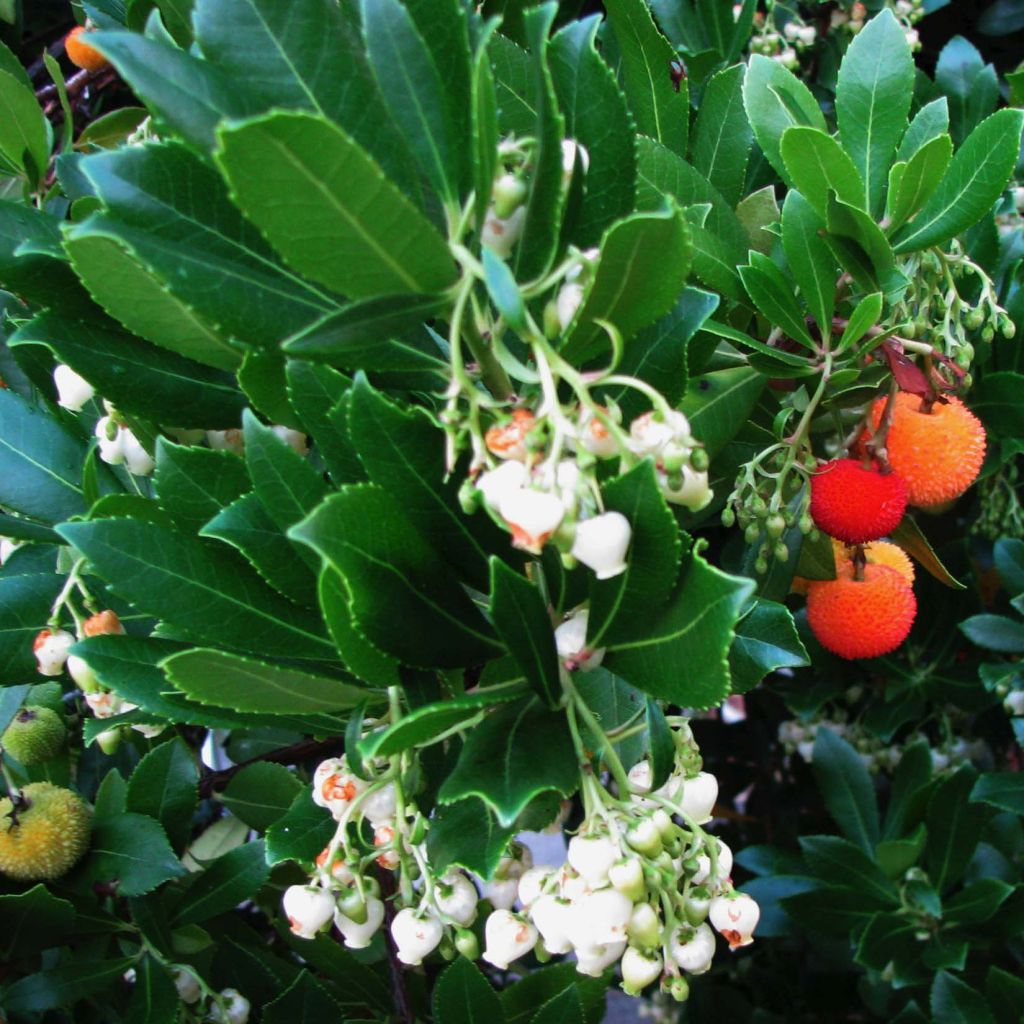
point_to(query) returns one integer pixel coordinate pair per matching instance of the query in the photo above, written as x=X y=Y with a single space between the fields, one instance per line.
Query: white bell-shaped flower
x=308 y=909
x=703 y=873
x=533 y=516
x=644 y=927
x=335 y=786
x=457 y=898
x=235 y=1008
x=7 y=548
x=532 y=884
x=496 y=484
x=138 y=461
x=595 y=960
x=599 y=917
x=226 y=440
x=508 y=937
x=592 y=856
x=692 y=492
x=601 y=543
x=640 y=778
x=595 y=437
x=186 y=984
x=571 y=644
x=73 y=390
x=358 y=935
x=693 y=949
x=501 y=892
x=103 y=704
x=51 y=650
x=295 y=439
x=379 y=807
x=650 y=432
x=500 y=234
x=111 y=441
x=639 y=969
x=735 y=917
x=84 y=677
x=698 y=797
x=551 y=915
x=627 y=876
x=1014 y=702
x=573 y=153
x=415 y=935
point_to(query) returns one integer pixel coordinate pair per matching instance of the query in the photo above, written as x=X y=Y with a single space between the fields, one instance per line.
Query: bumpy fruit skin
x=879 y=552
x=855 y=504
x=35 y=735
x=81 y=54
x=51 y=834
x=938 y=454
x=861 y=618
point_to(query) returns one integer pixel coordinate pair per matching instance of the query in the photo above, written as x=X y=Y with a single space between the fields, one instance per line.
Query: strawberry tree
x=415 y=418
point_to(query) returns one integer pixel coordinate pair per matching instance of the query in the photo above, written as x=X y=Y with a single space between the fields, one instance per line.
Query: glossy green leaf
x=468 y=834
x=463 y=996
x=908 y=535
x=25 y=603
x=809 y=258
x=970 y=85
x=846 y=788
x=766 y=640
x=896 y=856
x=1004 y=790
x=775 y=99
x=403 y=597
x=931 y=121
x=851 y=224
x=523 y=622
x=865 y=315
x=24 y=134
x=955 y=1002
x=361 y=237
x=64 y=985
x=233 y=877
x=974 y=180
x=839 y=862
x=696 y=630
x=817 y=164
x=31 y=921
x=207 y=593
x=773 y=295
x=977 y=902
x=313 y=392
x=131 y=851
x=195 y=484
x=216 y=677
x=722 y=136
x=918 y=179
x=873 y=94
x=565 y=1008
x=301 y=833
x=718 y=404
x=163 y=786
x=154 y=996
x=305 y=1001
x=661 y=112
x=521 y=1000
x=261 y=793
x=518 y=751
x=954 y=828
x=513 y=85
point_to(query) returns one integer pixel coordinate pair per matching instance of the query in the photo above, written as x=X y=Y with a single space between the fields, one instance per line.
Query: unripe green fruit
x=467 y=944
x=776 y=526
x=35 y=735
x=751 y=533
x=46 y=835
x=728 y=516
x=353 y=906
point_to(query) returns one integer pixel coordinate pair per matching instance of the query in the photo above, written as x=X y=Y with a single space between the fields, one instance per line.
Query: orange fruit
x=81 y=54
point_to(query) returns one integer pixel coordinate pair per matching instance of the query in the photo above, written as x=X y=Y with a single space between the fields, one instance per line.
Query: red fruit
x=855 y=504
x=861 y=618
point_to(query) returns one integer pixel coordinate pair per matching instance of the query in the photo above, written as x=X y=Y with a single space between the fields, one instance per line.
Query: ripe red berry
x=855 y=504
x=861 y=618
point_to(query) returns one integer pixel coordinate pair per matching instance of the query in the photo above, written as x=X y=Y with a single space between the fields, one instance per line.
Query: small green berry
x=35 y=735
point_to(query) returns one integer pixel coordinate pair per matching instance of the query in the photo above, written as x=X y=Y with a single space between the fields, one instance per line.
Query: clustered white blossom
x=228 y=1006
x=643 y=884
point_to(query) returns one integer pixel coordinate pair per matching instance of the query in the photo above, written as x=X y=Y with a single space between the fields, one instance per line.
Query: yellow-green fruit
x=35 y=735
x=47 y=834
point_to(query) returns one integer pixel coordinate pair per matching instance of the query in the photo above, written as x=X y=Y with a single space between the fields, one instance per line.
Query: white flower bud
x=806 y=750
x=735 y=917
x=501 y=234
x=308 y=909
x=531 y=885
x=295 y=439
x=571 y=644
x=73 y=391
x=149 y=731
x=226 y=440
x=501 y=892
x=644 y=928
x=592 y=856
x=358 y=936
x=640 y=778
x=532 y=516
x=379 y=807
x=808 y=34
x=508 y=194
x=552 y=915
x=644 y=836
x=51 y=650
x=693 y=949
x=186 y=984
x=595 y=437
x=509 y=478
x=627 y=876
x=693 y=491
x=703 y=873
x=235 y=1011
x=649 y=433
x=136 y=458
x=111 y=441
x=792 y=30
x=568 y=301
x=508 y=937
x=639 y=970
x=83 y=676
x=599 y=917
x=456 y=897
x=595 y=960
x=1014 y=702
x=335 y=787
x=601 y=543
x=104 y=705
x=384 y=836
x=415 y=936
x=698 y=797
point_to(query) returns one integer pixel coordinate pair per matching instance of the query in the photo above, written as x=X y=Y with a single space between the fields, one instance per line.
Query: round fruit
x=35 y=735
x=47 y=834
x=861 y=618
x=854 y=503
x=81 y=54
x=938 y=452
x=879 y=552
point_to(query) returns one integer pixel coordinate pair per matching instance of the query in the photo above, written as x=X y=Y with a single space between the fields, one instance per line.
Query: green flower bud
x=467 y=944
x=728 y=516
x=751 y=533
x=781 y=552
x=699 y=460
x=776 y=526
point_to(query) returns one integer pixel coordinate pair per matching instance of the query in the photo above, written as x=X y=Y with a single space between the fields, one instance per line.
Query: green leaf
x=976 y=177
x=641 y=270
x=261 y=378
x=977 y=902
x=896 y=856
x=766 y=640
x=596 y=116
x=722 y=136
x=565 y=1008
x=261 y=793
x=873 y=94
x=24 y=133
x=216 y=677
x=233 y=877
x=773 y=295
x=403 y=452
x=955 y=1002
x=163 y=786
x=848 y=222
x=717 y=404
x=995 y=632
x=840 y=863
x=885 y=940
x=928 y=123
x=817 y=164
x=621 y=607
x=521 y=1000
x=846 y=789
x=908 y=536
x=523 y=622
x=314 y=392
x=403 y=596
x=154 y=996
x=918 y=179
x=998 y=403
x=468 y=834
x=809 y=258
x=305 y=1001
x=301 y=833
x=1005 y=995
x=171 y=214
x=64 y=985
x=1004 y=790
x=206 y=593
x=40 y=463
x=137 y=377
x=361 y=235
x=513 y=85
x=25 y=604
x=695 y=629
x=954 y=828
x=518 y=751
x=969 y=84
x=195 y=484
x=484 y=125
x=187 y=94
x=131 y=851
x=661 y=112
x=775 y=99
x=912 y=775
x=31 y=921
x=463 y=996
x=865 y=315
